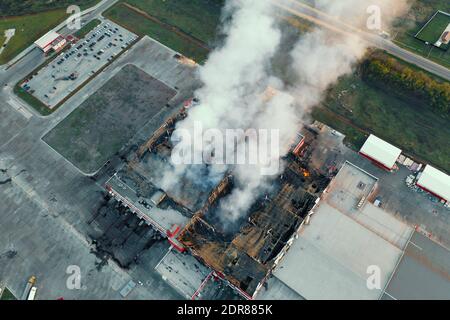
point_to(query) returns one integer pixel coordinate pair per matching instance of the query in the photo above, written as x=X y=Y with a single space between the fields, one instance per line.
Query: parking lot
x=74 y=66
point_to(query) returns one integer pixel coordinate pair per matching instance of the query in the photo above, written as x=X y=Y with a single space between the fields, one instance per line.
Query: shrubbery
x=387 y=72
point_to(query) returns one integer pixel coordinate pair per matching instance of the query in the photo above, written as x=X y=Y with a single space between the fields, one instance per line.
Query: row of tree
x=388 y=72
x=21 y=7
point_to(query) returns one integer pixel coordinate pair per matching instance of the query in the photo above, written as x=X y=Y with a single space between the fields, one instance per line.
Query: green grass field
x=434 y=29
x=143 y=26
x=357 y=108
x=199 y=18
x=417 y=46
x=7 y=295
x=28 y=29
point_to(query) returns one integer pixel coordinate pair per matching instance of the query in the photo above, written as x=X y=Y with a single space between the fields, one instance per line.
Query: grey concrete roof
x=183 y=272
x=275 y=289
x=329 y=260
x=384 y=224
x=163 y=219
x=423 y=273
x=345 y=235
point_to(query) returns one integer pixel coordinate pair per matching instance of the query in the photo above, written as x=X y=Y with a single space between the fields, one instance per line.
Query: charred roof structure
x=246 y=255
x=138 y=184
x=243 y=254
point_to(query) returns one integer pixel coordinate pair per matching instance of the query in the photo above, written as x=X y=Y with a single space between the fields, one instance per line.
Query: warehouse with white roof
x=380 y=152
x=435 y=182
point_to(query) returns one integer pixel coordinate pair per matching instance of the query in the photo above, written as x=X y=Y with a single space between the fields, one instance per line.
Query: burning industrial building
x=245 y=254
x=236 y=221
x=242 y=253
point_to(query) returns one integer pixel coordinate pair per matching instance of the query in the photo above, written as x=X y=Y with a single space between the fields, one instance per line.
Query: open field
x=99 y=128
x=170 y=36
x=198 y=18
x=28 y=29
x=408 y=26
x=357 y=108
x=363 y=108
x=434 y=29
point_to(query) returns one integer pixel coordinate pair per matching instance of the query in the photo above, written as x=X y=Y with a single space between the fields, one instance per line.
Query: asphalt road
x=311 y=14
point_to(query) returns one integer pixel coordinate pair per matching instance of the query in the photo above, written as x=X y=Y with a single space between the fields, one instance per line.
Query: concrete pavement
x=44 y=211
x=46 y=202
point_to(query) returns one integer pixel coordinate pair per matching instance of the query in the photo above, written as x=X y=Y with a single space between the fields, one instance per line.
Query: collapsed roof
x=246 y=256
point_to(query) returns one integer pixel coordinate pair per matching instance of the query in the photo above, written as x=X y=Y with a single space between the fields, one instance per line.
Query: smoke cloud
x=235 y=92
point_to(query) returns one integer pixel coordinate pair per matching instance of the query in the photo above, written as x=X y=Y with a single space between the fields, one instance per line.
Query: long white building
x=435 y=182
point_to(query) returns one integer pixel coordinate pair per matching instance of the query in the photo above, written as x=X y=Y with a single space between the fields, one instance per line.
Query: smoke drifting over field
x=234 y=95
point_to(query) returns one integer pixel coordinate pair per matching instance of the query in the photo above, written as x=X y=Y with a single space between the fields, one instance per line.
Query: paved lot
x=48 y=201
x=11 y=123
x=44 y=246
x=53 y=83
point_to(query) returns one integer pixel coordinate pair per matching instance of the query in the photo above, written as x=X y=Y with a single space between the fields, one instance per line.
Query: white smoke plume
x=237 y=75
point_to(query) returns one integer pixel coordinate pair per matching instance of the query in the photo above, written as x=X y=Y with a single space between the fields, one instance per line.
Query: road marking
x=390 y=296
x=20 y=108
x=415 y=245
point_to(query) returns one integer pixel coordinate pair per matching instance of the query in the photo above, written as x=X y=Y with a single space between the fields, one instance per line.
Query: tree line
x=388 y=72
